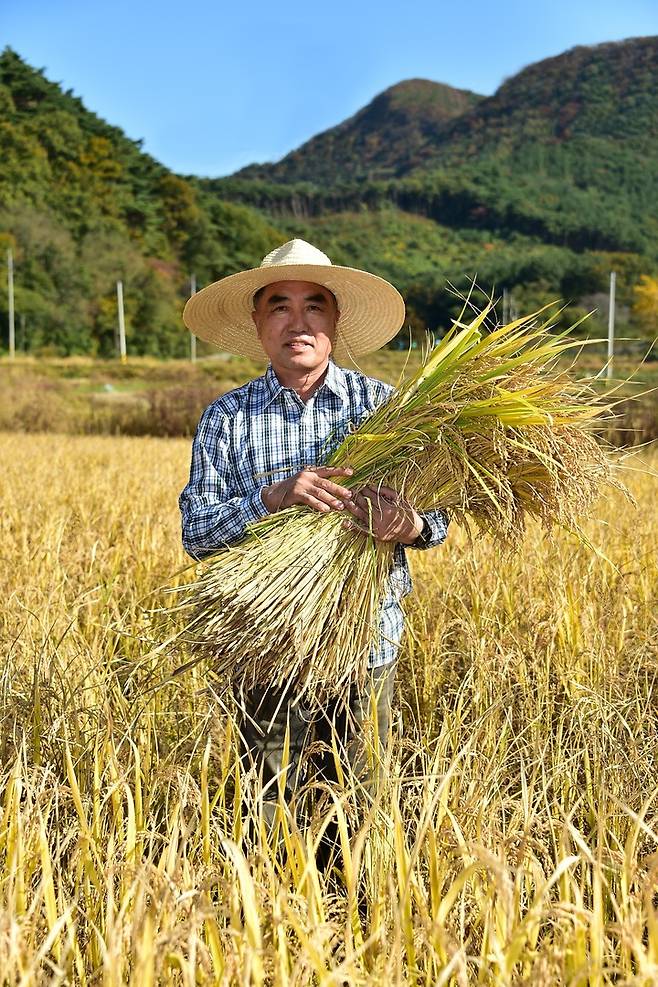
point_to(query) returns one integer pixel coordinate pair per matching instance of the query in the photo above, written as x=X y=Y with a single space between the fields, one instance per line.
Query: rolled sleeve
x=207 y=528
x=435 y=529
x=211 y=517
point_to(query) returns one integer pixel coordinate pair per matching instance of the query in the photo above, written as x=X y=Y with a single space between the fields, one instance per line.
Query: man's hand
x=389 y=517
x=310 y=488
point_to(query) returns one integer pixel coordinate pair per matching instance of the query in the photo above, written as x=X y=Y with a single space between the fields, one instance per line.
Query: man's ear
x=253 y=316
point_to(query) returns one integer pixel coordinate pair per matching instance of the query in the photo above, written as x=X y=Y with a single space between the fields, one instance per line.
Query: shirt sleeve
x=211 y=517
x=435 y=529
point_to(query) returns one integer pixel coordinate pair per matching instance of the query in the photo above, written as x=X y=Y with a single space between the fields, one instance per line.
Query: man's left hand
x=388 y=516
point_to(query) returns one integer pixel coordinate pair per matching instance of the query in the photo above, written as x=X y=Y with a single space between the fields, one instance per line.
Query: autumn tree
x=645 y=305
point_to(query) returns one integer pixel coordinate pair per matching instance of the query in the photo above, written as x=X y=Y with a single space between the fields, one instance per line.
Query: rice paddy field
x=512 y=837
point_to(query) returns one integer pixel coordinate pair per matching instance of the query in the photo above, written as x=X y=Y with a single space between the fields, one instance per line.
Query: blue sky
x=211 y=87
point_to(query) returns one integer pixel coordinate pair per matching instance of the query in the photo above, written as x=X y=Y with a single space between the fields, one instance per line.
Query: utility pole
x=192 y=336
x=122 y=324
x=10 y=294
x=611 y=322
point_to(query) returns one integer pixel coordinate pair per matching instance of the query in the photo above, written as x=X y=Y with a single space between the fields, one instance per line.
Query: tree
x=645 y=305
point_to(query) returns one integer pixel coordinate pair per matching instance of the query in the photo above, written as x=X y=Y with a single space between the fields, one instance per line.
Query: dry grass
x=165 y=398
x=512 y=841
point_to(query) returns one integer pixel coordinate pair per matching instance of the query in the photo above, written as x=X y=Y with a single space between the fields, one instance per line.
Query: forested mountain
x=567 y=151
x=388 y=136
x=607 y=92
x=541 y=189
x=82 y=205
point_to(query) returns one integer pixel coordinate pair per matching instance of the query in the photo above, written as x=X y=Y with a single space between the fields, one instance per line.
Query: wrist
x=416 y=526
x=274 y=496
x=266 y=496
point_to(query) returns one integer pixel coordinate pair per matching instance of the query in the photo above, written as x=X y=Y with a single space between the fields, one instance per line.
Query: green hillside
x=605 y=92
x=540 y=189
x=81 y=205
x=425 y=257
x=388 y=136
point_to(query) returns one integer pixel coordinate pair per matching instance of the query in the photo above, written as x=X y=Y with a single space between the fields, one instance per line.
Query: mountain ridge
x=82 y=206
x=564 y=154
x=364 y=141
x=554 y=89
x=542 y=189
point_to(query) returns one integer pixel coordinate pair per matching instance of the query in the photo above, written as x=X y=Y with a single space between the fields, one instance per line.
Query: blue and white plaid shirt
x=263 y=432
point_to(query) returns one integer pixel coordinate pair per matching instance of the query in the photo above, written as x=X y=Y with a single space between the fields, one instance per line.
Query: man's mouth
x=298 y=345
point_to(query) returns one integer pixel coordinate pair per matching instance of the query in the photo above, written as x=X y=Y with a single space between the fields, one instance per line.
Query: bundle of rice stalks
x=489 y=429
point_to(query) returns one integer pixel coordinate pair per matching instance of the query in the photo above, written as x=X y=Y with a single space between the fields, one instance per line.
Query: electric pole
x=611 y=322
x=10 y=294
x=122 y=324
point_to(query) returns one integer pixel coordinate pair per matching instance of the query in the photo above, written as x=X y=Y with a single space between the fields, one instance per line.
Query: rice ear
x=487 y=429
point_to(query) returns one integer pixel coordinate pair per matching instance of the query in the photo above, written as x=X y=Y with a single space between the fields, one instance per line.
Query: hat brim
x=371 y=310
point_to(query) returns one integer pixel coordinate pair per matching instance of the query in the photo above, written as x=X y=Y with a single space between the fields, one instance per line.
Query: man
x=258 y=450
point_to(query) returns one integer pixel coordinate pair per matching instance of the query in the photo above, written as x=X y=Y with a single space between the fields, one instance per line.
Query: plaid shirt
x=263 y=432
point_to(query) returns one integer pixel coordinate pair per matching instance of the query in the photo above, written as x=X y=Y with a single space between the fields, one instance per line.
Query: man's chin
x=305 y=359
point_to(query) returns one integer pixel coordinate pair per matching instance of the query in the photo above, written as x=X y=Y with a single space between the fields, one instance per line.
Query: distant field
x=513 y=839
x=165 y=398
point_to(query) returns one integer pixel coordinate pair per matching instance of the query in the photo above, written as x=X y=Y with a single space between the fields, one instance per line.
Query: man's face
x=296 y=324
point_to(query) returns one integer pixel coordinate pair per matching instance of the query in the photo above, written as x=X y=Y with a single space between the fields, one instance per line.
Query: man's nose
x=298 y=321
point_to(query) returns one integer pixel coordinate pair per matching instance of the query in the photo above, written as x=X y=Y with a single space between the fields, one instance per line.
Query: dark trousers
x=357 y=729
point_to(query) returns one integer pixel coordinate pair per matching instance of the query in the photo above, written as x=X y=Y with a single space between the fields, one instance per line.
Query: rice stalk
x=488 y=430
x=527 y=747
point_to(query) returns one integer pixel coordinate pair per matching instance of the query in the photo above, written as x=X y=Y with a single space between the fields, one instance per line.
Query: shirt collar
x=273 y=386
x=334 y=380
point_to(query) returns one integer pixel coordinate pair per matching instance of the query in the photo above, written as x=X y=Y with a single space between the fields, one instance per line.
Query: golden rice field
x=513 y=838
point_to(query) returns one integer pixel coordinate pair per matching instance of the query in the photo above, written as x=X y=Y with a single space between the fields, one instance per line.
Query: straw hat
x=371 y=309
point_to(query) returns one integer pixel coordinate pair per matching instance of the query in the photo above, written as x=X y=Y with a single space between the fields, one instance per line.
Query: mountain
x=382 y=140
x=541 y=189
x=607 y=92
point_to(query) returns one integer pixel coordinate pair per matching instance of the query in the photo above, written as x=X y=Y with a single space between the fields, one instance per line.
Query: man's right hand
x=310 y=488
